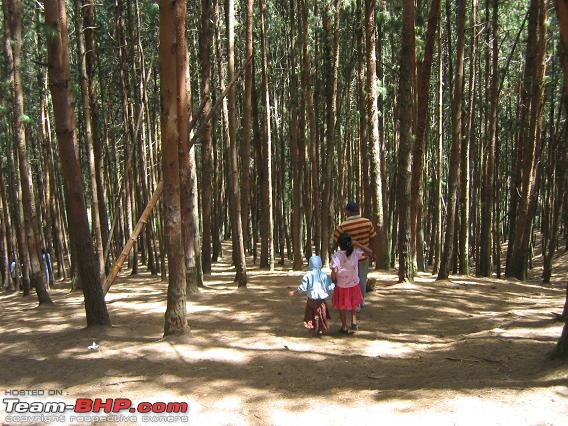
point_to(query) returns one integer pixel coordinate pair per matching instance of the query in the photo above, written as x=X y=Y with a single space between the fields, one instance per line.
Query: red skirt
x=347 y=299
x=316 y=315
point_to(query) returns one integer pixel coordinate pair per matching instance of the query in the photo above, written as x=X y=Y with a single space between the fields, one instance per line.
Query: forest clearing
x=468 y=351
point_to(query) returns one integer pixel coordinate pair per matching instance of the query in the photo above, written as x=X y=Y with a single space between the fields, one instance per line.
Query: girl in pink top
x=344 y=272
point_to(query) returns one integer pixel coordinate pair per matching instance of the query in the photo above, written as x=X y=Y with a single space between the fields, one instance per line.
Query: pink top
x=347 y=268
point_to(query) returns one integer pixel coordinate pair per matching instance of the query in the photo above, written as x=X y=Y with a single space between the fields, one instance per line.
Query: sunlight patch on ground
x=193 y=353
x=385 y=348
x=225 y=411
x=529 y=332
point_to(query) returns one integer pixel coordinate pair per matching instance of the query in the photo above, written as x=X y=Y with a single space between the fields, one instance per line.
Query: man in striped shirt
x=361 y=231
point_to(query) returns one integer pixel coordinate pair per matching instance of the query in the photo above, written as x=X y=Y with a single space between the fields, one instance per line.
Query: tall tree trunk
x=187 y=193
x=454 y=172
x=247 y=126
x=373 y=140
x=295 y=149
x=267 y=225
x=206 y=134
x=332 y=77
x=467 y=142
x=31 y=220
x=59 y=77
x=530 y=138
x=423 y=82
x=235 y=194
x=170 y=14
x=89 y=139
x=407 y=107
x=487 y=191
x=439 y=156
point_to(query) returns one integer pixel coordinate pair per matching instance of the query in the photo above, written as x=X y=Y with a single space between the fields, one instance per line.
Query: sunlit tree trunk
x=175 y=317
x=239 y=254
x=373 y=140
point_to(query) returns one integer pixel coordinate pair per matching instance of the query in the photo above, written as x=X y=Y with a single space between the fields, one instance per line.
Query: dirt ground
x=467 y=351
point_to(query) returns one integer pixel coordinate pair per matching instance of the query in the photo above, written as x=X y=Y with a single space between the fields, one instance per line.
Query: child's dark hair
x=345 y=243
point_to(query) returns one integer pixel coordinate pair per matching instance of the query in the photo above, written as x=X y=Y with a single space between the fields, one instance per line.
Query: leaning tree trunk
x=60 y=86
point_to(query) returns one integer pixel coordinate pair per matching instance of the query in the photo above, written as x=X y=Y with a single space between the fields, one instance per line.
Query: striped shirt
x=359 y=228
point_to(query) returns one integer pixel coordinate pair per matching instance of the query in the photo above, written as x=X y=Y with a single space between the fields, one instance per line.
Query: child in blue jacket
x=317 y=285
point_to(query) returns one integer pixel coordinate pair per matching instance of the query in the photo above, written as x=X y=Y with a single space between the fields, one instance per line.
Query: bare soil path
x=467 y=351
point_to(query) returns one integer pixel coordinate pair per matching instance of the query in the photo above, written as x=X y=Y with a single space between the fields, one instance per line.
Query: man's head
x=352 y=208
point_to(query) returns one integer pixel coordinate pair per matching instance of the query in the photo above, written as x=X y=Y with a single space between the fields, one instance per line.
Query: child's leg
x=354 y=319
x=343 y=317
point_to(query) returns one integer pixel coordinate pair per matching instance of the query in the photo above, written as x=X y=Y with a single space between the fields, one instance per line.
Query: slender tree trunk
x=184 y=154
x=295 y=149
x=439 y=156
x=332 y=77
x=373 y=140
x=267 y=225
x=5 y=229
x=454 y=172
x=206 y=134
x=31 y=220
x=89 y=139
x=420 y=145
x=467 y=142
x=487 y=191
x=407 y=107
x=235 y=194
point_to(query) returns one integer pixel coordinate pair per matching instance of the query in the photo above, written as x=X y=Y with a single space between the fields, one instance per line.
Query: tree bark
x=454 y=172
x=31 y=220
x=267 y=221
x=59 y=77
x=487 y=191
x=530 y=138
x=235 y=194
x=374 y=143
x=89 y=138
x=407 y=107
x=175 y=317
